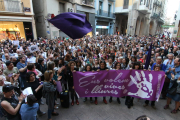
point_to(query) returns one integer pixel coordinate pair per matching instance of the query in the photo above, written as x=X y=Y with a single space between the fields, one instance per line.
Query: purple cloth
x=148 y=59
x=118 y=83
x=73 y=24
x=59 y=87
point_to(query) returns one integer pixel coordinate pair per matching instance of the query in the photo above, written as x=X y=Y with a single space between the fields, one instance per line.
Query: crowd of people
x=57 y=59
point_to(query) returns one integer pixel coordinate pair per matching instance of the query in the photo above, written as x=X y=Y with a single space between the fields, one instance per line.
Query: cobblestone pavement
x=112 y=111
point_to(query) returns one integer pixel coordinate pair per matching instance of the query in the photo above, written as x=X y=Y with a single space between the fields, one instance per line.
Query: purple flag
x=59 y=87
x=118 y=83
x=148 y=59
x=73 y=24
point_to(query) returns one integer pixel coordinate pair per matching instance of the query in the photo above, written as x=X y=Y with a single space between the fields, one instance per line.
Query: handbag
x=173 y=89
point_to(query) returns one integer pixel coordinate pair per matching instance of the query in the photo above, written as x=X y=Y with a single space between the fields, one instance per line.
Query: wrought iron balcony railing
x=11 y=6
x=112 y=0
x=158 y=3
x=155 y=15
x=103 y=13
x=88 y=2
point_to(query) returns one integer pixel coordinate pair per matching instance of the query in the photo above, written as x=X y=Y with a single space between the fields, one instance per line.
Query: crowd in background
x=57 y=59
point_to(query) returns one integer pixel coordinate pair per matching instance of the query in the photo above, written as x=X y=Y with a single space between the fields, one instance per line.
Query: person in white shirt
x=30 y=58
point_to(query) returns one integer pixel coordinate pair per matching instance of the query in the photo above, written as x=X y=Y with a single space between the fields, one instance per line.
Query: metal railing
x=155 y=15
x=11 y=6
x=88 y=2
x=158 y=3
x=160 y=20
x=112 y=0
x=103 y=13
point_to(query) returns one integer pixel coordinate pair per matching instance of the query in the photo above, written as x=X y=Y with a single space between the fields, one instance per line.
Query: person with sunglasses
x=10 y=104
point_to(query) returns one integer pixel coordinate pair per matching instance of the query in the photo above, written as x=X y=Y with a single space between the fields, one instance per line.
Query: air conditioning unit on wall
x=70 y=9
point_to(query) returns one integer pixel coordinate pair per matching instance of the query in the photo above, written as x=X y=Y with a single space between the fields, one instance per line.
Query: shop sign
x=33 y=48
x=103 y=27
x=26 y=9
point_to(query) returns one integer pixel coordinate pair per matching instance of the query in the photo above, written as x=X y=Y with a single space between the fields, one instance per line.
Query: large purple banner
x=118 y=83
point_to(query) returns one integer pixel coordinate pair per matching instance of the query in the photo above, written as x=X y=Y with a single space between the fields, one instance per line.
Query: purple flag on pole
x=75 y=25
x=118 y=83
x=148 y=59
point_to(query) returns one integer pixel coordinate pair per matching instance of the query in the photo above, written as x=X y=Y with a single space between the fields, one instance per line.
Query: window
x=109 y=10
x=147 y=3
x=62 y=9
x=100 y=7
x=126 y=4
x=87 y=16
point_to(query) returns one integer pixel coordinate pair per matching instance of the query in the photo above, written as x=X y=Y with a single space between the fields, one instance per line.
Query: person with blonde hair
x=49 y=88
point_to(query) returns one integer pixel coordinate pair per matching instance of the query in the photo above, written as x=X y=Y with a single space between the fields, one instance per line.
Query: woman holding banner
x=157 y=67
x=117 y=67
x=102 y=67
x=88 y=68
x=129 y=100
x=71 y=69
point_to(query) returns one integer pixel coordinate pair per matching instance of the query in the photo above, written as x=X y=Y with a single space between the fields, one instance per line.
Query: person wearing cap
x=29 y=111
x=159 y=61
x=10 y=104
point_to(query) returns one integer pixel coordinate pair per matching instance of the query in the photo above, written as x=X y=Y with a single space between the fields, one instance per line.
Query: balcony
x=88 y=2
x=158 y=3
x=102 y=13
x=11 y=6
x=161 y=20
x=111 y=0
x=144 y=7
x=155 y=15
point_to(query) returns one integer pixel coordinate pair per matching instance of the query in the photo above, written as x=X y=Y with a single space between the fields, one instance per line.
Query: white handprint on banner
x=144 y=87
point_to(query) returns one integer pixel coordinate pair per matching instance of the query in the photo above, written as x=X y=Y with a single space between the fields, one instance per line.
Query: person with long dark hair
x=102 y=67
x=129 y=100
x=41 y=67
x=116 y=67
x=96 y=64
x=36 y=87
x=70 y=71
x=88 y=68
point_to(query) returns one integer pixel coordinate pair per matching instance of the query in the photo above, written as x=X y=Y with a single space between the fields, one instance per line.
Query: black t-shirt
x=42 y=69
x=70 y=78
x=33 y=86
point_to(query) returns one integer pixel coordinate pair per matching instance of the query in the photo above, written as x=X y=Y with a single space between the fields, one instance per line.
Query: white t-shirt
x=31 y=60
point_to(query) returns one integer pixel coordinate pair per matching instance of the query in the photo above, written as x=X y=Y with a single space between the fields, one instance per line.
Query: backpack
x=173 y=88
